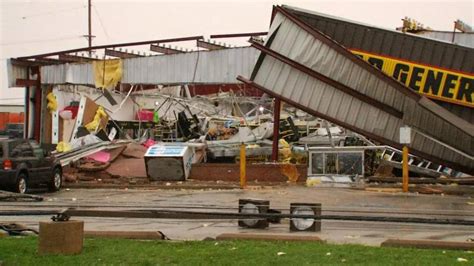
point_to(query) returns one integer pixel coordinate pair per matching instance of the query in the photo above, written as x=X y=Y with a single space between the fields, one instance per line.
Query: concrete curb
x=268 y=237
x=173 y=186
x=151 y=235
x=427 y=244
x=130 y=186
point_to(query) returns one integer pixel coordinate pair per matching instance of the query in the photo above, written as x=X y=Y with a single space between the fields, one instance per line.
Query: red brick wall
x=231 y=172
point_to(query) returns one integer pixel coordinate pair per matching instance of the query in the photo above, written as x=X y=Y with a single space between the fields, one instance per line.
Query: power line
x=42 y=40
x=55 y=12
x=101 y=23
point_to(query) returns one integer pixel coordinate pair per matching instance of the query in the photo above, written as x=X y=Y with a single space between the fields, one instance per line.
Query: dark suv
x=14 y=130
x=24 y=164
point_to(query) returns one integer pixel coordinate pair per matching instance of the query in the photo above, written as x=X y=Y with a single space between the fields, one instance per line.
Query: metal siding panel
x=416 y=51
x=457 y=59
x=407 y=47
x=359 y=36
x=437 y=54
x=468 y=65
x=15 y=72
x=387 y=44
x=377 y=42
x=367 y=41
x=397 y=46
x=221 y=66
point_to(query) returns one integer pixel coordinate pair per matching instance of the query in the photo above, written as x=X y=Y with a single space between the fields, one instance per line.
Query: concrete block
x=61 y=237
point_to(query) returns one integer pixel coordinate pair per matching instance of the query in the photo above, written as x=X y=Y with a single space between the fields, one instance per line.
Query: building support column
x=276 y=128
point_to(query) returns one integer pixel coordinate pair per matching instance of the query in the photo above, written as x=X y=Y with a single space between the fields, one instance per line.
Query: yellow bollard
x=405 y=168
x=243 y=177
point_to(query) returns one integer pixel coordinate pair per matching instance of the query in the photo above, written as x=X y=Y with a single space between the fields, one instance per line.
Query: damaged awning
x=314 y=73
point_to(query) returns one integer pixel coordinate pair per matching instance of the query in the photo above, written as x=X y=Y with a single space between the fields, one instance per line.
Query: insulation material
x=100 y=156
x=107 y=73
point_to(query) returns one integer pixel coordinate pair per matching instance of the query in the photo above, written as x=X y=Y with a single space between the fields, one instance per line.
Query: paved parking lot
x=334 y=201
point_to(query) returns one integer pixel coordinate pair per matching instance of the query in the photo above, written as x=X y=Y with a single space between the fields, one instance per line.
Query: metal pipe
x=26 y=131
x=405 y=168
x=243 y=161
x=276 y=128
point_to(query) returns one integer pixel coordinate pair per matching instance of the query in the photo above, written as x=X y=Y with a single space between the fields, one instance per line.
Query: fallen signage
x=436 y=83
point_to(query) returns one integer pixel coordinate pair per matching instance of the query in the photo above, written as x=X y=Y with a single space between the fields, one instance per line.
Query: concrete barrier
x=61 y=237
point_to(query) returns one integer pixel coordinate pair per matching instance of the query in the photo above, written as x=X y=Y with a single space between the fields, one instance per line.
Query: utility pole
x=90 y=27
x=405 y=140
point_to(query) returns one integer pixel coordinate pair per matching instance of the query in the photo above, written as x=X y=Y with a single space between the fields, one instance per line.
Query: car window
x=1 y=149
x=20 y=149
x=37 y=150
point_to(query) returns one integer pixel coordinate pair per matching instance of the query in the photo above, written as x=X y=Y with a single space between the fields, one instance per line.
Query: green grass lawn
x=22 y=251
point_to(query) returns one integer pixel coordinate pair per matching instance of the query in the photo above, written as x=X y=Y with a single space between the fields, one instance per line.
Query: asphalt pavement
x=335 y=201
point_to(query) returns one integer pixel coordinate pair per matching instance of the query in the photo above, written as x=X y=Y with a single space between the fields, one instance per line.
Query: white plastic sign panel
x=165 y=151
x=405 y=135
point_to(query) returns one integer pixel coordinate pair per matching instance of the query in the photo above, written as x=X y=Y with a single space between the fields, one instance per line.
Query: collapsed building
x=342 y=84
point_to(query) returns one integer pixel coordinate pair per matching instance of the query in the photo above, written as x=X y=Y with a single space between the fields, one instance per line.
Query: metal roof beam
x=75 y=58
x=165 y=50
x=121 y=54
x=236 y=35
x=192 y=38
x=209 y=45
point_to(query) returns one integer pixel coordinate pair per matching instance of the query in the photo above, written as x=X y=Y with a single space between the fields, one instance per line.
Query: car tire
x=56 y=180
x=21 y=184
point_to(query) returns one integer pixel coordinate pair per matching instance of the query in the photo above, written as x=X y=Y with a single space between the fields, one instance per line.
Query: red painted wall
x=6 y=118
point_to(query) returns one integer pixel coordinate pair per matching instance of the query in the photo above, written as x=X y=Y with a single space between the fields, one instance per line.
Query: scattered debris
x=14 y=229
x=10 y=196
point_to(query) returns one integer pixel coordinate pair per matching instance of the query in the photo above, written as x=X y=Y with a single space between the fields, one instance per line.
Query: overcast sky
x=29 y=27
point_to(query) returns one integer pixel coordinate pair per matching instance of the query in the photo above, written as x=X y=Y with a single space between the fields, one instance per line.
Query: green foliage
x=23 y=251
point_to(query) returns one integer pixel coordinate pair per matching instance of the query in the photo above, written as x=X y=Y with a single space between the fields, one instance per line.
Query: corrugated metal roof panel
x=80 y=73
x=219 y=67
x=297 y=56
x=410 y=47
x=366 y=36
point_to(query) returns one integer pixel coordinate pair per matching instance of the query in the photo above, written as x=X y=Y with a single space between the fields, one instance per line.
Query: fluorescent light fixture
x=252 y=206
x=305 y=224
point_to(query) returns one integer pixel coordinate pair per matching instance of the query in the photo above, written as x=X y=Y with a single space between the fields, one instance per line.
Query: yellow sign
x=436 y=83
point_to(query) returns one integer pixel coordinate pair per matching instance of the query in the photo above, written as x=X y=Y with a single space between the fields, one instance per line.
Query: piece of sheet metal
x=450 y=140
